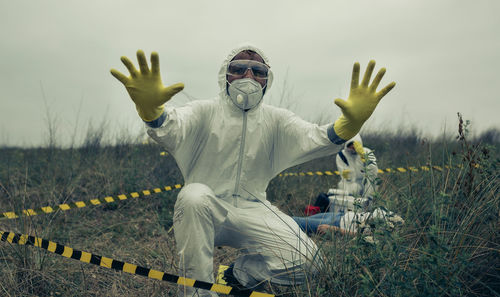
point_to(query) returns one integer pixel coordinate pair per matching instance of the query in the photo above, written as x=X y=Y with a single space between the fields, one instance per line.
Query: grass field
x=449 y=245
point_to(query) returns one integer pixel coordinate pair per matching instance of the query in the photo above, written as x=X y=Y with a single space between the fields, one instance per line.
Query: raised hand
x=362 y=100
x=145 y=86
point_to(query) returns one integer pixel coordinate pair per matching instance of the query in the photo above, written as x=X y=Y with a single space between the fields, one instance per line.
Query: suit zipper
x=240 y=159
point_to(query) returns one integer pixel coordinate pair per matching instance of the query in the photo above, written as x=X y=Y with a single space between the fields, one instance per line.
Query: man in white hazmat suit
x=228 y=150
x=358 y=169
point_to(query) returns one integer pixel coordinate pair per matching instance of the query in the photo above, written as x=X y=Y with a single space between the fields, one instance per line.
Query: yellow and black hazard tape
x=65 y=251
x=144 y=193
x=387 y=170
x=81 y=204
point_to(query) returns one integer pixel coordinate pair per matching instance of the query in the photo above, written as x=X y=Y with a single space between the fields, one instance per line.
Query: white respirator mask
x=245 y=93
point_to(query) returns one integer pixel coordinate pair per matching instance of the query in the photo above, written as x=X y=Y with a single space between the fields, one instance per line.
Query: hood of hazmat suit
x=356 y=137
x=244 y=93
x=236 y=150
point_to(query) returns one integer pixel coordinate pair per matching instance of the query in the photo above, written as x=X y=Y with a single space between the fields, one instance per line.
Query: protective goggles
x=239 y=67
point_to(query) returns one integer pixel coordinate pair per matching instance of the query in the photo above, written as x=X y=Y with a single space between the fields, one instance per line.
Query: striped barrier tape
x=121 y=197
x=387 y=170
x=81 y=204
x=82 y=256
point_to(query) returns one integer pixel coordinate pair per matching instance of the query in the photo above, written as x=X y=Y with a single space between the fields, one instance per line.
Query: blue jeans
x=310 y=224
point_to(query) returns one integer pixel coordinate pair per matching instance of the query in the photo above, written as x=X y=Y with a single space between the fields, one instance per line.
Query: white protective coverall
x=361 y=177
x=227 y=157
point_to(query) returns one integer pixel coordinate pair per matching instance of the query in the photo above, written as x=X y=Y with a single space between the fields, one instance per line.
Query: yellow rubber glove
x=361 y=103
x=346 y=173
x=360 y=151
x=145 y=87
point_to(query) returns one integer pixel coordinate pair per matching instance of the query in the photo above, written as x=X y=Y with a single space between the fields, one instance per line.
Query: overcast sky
x=55 y=57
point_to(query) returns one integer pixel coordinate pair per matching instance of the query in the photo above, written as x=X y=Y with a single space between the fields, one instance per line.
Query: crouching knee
x=194 y=195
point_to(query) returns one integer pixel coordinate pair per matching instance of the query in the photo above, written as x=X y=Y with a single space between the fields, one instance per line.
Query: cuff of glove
x=345 y=129
x=149 y=114
x=158 y=122
x=333 y=136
